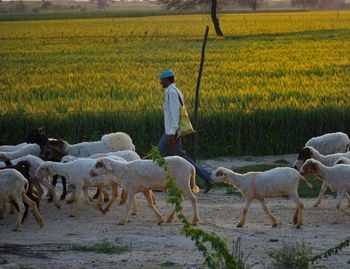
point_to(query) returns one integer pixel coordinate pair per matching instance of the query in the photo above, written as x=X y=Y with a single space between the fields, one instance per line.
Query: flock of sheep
x=112 y=162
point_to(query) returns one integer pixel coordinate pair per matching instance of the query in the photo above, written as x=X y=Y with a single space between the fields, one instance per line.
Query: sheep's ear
x=107 y=164
x=219 y=173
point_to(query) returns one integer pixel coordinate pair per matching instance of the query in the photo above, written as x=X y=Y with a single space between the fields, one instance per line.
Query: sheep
x=8 y=148
x=30 y=149
x=337 y=178
x=34 y=162
x=36 y=140
x=77 y=173
x=145 y=175
x=277 y=182
x=13 y=187
x=330 y=143
x=127 y=155
x=328 y=160
x=24 y=167
x=110 y=142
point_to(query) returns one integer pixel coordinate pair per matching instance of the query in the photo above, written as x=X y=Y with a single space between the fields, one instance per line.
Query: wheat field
x=273 y=81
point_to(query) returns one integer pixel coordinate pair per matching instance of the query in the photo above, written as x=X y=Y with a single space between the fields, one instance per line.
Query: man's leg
x=176 y=149
x=163 y=145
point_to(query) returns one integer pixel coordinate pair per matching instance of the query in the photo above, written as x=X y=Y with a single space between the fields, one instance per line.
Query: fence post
x=196 y=102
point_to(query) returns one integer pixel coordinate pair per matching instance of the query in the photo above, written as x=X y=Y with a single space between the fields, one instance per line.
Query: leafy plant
x=330 y=252
x=290 y=255
x=217 y=256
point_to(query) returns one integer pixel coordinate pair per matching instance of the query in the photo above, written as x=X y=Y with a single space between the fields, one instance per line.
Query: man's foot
x=208 y=186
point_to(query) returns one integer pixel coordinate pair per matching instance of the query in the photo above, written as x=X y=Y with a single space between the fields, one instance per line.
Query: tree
x=101 y=4
x=180 y=5
x=253 y=4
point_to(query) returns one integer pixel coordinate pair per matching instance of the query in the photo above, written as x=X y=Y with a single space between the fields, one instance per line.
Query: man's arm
x=174 y=104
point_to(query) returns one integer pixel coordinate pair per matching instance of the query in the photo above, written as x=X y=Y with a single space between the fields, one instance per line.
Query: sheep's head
x=342 y=160
x=37 y=136
x=55 y=150
x=219 y=175
x=310 y=167
x=23 y=167
x=102 y=167
x=44 y=171
x=304 y=154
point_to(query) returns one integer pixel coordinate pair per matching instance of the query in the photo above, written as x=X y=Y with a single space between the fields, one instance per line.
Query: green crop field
x=272 y=82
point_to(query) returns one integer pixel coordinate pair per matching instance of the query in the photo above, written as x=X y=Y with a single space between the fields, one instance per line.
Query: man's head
x=166 y=78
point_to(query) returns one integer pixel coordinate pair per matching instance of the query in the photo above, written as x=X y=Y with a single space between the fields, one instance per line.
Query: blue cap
x=166 y=74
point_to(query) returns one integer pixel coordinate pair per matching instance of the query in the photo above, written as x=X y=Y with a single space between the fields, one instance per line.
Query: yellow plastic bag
x=185 y=126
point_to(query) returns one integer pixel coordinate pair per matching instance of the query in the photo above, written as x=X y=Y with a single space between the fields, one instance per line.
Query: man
x=173 y=100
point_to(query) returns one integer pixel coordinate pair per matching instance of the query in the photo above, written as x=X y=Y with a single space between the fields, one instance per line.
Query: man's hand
x=171 y=139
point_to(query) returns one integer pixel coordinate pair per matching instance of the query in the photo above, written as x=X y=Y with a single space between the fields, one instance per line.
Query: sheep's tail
x=195 y=188
x=306 y=181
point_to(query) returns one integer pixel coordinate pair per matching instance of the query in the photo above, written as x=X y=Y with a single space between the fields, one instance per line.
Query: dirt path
x=152 y=246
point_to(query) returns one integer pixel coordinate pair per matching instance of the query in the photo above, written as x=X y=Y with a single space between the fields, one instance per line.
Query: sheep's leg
x=114 y=197
x=321 y=195
x=173 y=211
x=34 y=207
x=75 y=210
x=39 y=189
x=340 y=197
x=53 y=183
x=64 y=185
x=131 y=197
x=245 y=213
x=51 y=190
x=268 y=212
x=86 y=197
x=21 y=209
x=2 y=208
x=134 y=207
x=124 y=195
x=159 y=215
x=105 y=195
x=193 y=200
x=299 y=211
x=348 y=198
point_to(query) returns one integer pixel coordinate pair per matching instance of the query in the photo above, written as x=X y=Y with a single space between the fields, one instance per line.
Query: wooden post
x=196 y=102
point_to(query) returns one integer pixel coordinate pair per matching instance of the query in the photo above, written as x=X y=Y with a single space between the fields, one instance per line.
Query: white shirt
x=171 y=108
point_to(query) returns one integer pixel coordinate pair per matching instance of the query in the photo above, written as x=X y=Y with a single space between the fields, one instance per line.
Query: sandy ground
x=154 y=246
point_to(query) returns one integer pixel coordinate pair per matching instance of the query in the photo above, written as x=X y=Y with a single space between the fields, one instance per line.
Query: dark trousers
x=176 y=149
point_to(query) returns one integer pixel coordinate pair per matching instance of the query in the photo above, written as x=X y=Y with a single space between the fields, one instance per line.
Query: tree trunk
x=215 y=19
x=255 y=4
x=196 y=101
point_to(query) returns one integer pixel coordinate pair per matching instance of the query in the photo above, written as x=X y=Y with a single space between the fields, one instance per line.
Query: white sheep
x=35 y=163
x=127 y=155
x=77 y=173
x=328 y=160
x=330 y=143
x=8 y=148
x=145 y=175
x=337 y=178
x=110 y=142
x=13 y=187
x=277 y=182
x=29 y=149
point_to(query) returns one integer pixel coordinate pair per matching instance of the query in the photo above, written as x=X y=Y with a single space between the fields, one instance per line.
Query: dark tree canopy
x=194 y=4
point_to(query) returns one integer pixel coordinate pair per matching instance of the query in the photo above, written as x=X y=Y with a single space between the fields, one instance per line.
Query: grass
x=103 y=247
x=291 y=255
x=271 y=76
